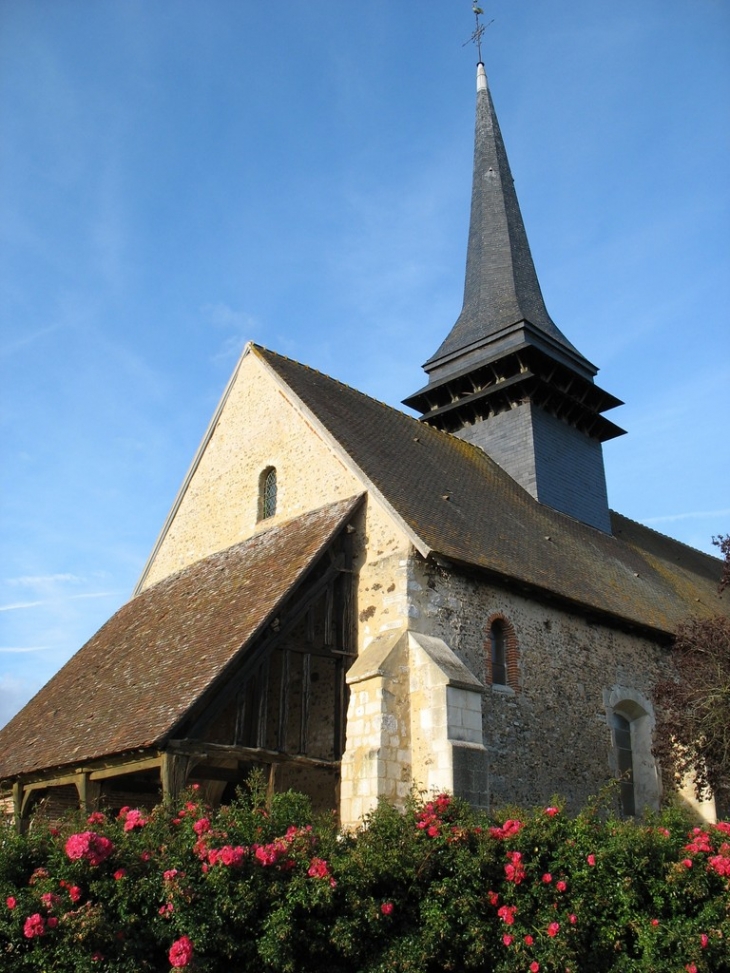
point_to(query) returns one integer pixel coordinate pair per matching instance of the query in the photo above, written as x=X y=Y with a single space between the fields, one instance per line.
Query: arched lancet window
x=502 y=653
x=624 y=763
x=498 y=650
x=631 y=719
x=267 y=493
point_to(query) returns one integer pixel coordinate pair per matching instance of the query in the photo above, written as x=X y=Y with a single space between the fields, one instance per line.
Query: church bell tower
x=506 y=378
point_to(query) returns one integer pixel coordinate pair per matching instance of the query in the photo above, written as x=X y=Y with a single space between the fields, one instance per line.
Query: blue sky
x=177 y=177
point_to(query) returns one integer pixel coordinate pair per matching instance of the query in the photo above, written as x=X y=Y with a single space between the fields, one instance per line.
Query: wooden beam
x=204 y=751
x=27 y=790
x=84 y=779
x=211 y=772
x=126 y=767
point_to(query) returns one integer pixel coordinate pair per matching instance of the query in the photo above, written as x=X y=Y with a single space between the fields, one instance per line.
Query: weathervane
x=476 y=37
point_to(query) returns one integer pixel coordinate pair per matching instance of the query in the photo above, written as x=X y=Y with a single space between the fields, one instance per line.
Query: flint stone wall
x=550 y=734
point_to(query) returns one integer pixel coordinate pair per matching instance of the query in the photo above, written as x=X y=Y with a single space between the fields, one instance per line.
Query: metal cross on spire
x=476 y=37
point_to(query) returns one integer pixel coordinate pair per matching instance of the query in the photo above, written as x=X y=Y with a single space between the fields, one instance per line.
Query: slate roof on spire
x=503 y=303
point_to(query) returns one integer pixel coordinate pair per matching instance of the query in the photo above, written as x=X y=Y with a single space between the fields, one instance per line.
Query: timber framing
x=256 y=712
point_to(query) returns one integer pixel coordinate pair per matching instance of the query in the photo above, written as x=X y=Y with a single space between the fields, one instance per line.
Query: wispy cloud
x=51 y=601
x=243 y=325
x=18 y=650
x=688 y=515
x=12 y=346
x=220 y=315
x=34 y=580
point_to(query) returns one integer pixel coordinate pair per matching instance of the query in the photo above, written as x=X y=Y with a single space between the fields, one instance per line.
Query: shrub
x=263 y=886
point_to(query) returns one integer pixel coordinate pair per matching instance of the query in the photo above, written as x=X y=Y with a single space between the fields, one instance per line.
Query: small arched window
x=502 y=653
x=498 y=650
x=267 y=493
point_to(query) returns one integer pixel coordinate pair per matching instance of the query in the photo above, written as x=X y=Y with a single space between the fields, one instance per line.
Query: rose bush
x=263 y=886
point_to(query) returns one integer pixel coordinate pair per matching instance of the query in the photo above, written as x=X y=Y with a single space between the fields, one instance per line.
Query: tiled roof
x=137 y=677
x=462 y=506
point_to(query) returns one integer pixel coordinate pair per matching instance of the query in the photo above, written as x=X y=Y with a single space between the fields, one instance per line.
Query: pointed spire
x=502 y=296
x=506 y=378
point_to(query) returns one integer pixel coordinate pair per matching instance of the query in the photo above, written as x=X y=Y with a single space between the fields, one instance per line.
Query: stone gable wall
x=257 y=429
x=260 y=427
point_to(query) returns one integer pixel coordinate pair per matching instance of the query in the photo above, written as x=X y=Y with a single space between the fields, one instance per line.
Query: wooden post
x=18 y=806
x=174 y=771
x=283 y=701
x=271 y=785
x=306 y=696
x=89 y=792
x=263 y=688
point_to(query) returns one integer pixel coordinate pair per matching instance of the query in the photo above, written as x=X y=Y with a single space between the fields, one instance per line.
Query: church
x=363 y=603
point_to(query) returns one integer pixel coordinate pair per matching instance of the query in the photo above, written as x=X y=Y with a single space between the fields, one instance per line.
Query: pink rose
x=134 y=819
x=93 y=848
x=387 y=908
x=591 y=859
x=181 y=952
x=318 y=868
x=553 y=929
x=11 y=902
x=34 y=925
x=507 y=914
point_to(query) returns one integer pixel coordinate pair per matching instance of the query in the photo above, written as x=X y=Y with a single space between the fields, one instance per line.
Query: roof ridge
x=667 y=537
x=477 y=451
